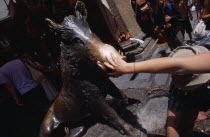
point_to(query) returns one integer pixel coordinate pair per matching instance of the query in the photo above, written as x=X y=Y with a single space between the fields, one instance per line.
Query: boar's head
x=79 y=43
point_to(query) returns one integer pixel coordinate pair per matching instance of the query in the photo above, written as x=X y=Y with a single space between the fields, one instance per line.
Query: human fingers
x=110 y=59
x=101 y=66
x=121 y=53
x=114 y=58
x=123 y=57
x=114 y=74
x=108 y=65
x=118 y=75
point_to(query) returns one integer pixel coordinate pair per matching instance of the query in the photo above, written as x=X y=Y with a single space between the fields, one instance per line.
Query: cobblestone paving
x=203 y=127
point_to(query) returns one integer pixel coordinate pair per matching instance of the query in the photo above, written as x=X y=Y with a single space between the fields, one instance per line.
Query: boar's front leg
x=65 y=108
x=75 y=132
x=95 y=102
x=49 y=124
x=111 y=115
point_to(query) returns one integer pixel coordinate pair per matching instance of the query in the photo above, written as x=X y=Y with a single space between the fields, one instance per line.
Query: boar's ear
x=54 y=26
x=80 y=10
x=101 y=66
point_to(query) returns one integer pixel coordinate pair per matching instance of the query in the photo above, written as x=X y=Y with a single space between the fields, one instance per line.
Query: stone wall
x=123 y=13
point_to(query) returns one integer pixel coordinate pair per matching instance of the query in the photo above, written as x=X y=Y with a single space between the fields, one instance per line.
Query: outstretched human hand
x=117 y=65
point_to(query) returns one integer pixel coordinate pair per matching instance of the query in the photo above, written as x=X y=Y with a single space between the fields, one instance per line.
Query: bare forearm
x=160 y=65
x=176 y=65
x=206 y=17
x=198 y=6
x=11 y=89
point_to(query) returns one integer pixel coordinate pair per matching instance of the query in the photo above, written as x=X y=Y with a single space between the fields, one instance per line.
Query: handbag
x=200 y=30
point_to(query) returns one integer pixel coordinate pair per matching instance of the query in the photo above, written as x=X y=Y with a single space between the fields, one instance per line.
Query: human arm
x=36 y=65
x=13 y=92
x=173 y=65
x=206 y=17
x=39 y=67
x=206 y=11
x=4 y=81
x=188 y=10
x=11 y=7
x=198 y=9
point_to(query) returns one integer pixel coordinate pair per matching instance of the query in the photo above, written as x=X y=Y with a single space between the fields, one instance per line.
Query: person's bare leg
x=172 y=123
x=202 y=115
x=190 y=35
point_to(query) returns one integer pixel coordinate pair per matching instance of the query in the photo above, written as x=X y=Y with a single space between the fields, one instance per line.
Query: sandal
x=208 y=113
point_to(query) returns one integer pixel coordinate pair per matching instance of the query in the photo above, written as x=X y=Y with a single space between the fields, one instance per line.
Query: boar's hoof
x=132 y=132
x=75 y=132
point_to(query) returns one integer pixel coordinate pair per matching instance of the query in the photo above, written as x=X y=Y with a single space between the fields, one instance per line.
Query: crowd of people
x=169 y=20
x=26 y=81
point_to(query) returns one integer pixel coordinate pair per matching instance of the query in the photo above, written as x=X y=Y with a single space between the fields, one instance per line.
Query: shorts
x=180 y=100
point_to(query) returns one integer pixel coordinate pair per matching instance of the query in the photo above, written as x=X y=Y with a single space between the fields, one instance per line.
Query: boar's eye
x=77 y=40
x=73 y=41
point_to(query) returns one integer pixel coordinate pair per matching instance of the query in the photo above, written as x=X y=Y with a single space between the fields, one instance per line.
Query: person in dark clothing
x=144 y=16
x=185 y=10
x=203 y=10
x=169 y=19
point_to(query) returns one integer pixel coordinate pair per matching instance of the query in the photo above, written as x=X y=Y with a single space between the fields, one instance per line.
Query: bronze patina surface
x=85 y=84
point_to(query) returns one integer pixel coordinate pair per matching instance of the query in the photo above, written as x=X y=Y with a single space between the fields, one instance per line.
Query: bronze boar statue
x=85 y=83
